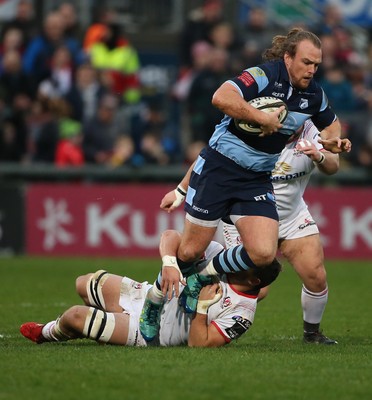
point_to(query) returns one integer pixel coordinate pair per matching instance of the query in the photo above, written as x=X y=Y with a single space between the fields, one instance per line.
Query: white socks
x=155 y=295
x=313 y=305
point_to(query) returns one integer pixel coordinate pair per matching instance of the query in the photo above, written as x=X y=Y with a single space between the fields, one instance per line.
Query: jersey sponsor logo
x=304 y=103
x=256 y=72
x=281 y=168
x=260 y=197
x=246 y=78
x=201 y=210
x=278 y=85
x=288 y=176
x=241 y=326
x=308 y=222
x=226 y=302
x=282 y=172
x=277 y=94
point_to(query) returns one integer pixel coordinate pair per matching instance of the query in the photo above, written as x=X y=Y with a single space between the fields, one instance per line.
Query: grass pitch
x=269 y=362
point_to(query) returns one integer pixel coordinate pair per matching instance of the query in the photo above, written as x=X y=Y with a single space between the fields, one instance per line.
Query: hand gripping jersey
x=270 y=79
x=292 y=173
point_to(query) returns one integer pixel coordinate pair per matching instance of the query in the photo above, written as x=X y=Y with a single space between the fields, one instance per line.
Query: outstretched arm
x=327 y=162
x=336 y=145
x=332 y=131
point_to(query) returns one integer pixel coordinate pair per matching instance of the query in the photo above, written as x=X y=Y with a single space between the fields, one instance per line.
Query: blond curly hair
x=288 y=44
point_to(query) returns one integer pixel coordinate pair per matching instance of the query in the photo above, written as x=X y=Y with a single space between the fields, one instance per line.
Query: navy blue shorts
x=219 y=187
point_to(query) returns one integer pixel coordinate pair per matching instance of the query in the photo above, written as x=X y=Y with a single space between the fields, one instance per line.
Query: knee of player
x=74 y=317
x=188 y=254
x=81 y=284
x=316 y=279
x=262 y=259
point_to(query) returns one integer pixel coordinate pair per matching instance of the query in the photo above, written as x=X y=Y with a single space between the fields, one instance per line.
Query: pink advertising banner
x=126 y=221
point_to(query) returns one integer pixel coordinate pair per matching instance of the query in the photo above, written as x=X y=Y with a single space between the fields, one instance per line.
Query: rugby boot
x=150 y=319
x=318 y=338
x=190 y=294
x=33 y=332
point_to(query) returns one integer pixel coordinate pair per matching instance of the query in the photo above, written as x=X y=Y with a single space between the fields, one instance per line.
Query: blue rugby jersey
x=270 y=79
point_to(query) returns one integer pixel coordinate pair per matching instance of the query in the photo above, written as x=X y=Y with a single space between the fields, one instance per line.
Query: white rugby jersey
x=292 y=173
x=232 y=315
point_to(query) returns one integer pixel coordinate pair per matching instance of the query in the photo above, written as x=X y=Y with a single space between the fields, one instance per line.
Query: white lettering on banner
x=351 y=227
x=138 y=225
x=98 y=223
x=56 y=215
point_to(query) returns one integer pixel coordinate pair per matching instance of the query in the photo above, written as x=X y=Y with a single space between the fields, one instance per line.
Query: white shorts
x=132 y=297
x=298 y=225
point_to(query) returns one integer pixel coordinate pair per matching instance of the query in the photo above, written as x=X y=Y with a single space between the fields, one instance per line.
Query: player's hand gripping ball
x=266 y=104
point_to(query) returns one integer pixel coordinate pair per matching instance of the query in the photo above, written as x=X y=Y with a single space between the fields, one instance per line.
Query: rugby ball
x=266 y=104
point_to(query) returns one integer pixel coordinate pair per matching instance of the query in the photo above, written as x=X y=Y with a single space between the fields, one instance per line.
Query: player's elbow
x=218 y=99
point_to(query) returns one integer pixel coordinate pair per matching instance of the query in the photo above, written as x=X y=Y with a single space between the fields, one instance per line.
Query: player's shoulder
x=274 y=68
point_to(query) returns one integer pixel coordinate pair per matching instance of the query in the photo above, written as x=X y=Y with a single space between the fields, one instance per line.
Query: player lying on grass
x=225 y=309
x=299 y=236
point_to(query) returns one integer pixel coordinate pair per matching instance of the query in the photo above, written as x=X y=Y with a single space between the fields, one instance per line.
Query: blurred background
x=105 y=104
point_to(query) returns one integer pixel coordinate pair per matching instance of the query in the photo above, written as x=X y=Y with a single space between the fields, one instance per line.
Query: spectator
x=338 y=90
x=257 y=29
x=200 y=58
x=100 y=132
x=331 y=20
x=12 y=40
x=68 y=13
x=256 y=33
x=152 y=149
x=329 y=45
x=85 y=93
x=45 y=142
x=198 y=27
x=13 y=81
x=61 y=74
x=69 y=151
x=24 y=21
x=222 y=36
x=203 y=115
x=123 y=151
x=12 y=140
x=103 y=16
x=39 y=53
x=119 y=63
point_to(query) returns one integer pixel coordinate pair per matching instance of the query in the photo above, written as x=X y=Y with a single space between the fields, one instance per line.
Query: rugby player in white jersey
x=225 y=309
x=299 y=239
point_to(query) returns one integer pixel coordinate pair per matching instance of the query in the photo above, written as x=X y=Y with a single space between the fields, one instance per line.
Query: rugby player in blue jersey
x=234 y=171
x=299 y=239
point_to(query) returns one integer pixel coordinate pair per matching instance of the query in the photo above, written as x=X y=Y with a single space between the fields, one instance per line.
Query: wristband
x=180 y=196
x=181 y=190
x=171 y=261
x=202 y=307
x=322 y=159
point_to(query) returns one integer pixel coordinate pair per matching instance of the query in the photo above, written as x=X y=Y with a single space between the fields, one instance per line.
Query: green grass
x=270 y=362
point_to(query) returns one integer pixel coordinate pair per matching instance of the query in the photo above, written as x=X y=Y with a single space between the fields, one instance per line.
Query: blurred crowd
x=72 y=95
